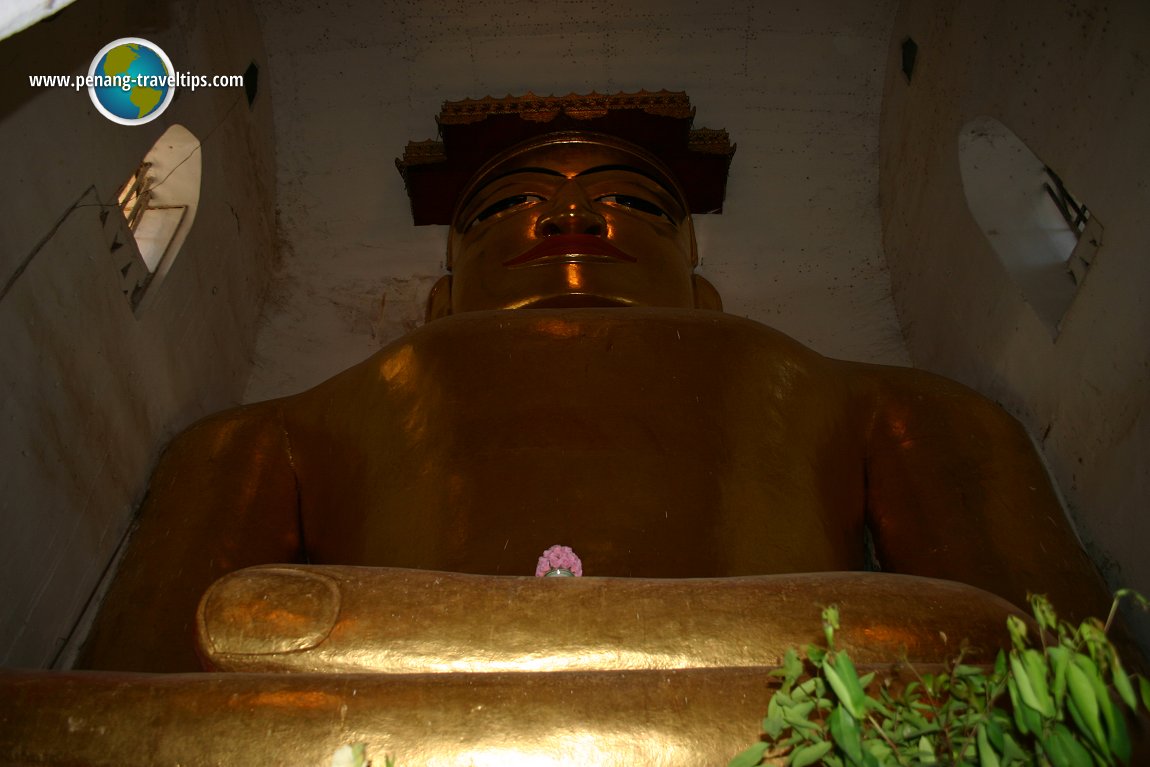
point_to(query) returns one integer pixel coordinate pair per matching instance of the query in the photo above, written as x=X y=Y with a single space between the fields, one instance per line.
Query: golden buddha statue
x=577 y=383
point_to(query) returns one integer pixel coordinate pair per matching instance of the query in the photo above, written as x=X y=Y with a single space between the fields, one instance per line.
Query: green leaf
x=845 y=731
x=843 y=679
x=1012 y=752
x=1059 y=660
x=846 y=668
x=810 y=754
x=1016 y=708
x=836 y=683
x=792 y=668
x=1038 y=672
x=878 y=748
x=1076 y=717
x=1119 y=742
x=995 y=734
x=773 y=727
x=1043 y=612
x=926 y=753
x=915 y=720
x=1017 y=628
x=1083 y=697
x=810 y=686
x=1094 y=635
x=750 y=757
x=1064 y=749
x=1026 y=691
x=986 y=755
x=830 y=623
x=1057 y=752
x=1111 y=715
x=1140 y=600
x=1122 y=683
x=805 y=726
x=1025 y=718
x=800 y=712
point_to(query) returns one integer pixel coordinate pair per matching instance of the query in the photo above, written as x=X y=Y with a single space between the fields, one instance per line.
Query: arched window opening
x=159 y=202
x=1045 y=237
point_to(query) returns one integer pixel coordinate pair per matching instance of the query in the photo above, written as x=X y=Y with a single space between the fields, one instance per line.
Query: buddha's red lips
x=571 y=247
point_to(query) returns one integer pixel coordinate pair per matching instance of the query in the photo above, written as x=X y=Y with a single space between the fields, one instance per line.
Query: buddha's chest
x=663 y=448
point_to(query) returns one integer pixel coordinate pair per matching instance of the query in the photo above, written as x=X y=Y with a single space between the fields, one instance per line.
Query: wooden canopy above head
x=472 y=131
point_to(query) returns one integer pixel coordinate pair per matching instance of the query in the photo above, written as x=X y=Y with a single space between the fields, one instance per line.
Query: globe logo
x=131 y=81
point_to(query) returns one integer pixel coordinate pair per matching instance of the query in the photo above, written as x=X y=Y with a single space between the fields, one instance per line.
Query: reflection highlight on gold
x=289 y=700
x=682 y=719
x=448 y=623
x=557 y=327
x=574 y=277
x=396 y=368
x=573 y=661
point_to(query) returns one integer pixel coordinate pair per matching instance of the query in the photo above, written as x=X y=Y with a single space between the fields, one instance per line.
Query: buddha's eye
x=635 y=203
x=507 y=203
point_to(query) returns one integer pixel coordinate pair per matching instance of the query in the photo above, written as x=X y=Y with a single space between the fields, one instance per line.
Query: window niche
x=1045 y=237
x=158 y=203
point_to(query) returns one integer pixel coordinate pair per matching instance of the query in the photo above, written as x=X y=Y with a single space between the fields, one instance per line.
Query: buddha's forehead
x=573 y=158
x=569 y=158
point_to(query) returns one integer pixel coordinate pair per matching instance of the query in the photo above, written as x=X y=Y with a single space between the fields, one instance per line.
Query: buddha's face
x=568 y=225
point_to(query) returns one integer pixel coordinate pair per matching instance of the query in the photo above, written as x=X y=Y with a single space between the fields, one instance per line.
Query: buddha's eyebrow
x=552 y=172
x=667 y=187
x=511 y=172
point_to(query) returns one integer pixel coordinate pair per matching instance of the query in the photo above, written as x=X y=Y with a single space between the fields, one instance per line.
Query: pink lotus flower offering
x=559 y=562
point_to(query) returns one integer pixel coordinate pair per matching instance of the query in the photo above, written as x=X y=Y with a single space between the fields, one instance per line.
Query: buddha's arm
x=222 y=497
x=956 y=490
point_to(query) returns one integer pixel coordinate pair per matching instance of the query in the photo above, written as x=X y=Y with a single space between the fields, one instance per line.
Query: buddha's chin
x=574 y=301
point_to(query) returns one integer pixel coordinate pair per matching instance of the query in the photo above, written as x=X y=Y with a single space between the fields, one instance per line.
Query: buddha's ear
x=439 y=299
x=706 y=297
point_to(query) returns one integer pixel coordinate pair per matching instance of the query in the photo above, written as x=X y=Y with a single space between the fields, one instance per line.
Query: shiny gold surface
x=566 y=222
x=623 y=719
x=349 y=619
x=657 y=440
x=493 y=435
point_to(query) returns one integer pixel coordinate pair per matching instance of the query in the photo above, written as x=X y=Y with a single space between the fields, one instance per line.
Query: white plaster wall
x=798 y=86
x=91 y=392
x=1072 y=80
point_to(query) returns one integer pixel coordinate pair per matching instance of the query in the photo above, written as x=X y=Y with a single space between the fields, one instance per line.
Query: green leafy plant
x=1061 y=699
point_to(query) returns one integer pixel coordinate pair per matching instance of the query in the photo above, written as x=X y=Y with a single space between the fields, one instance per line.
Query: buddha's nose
x=570 y=212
